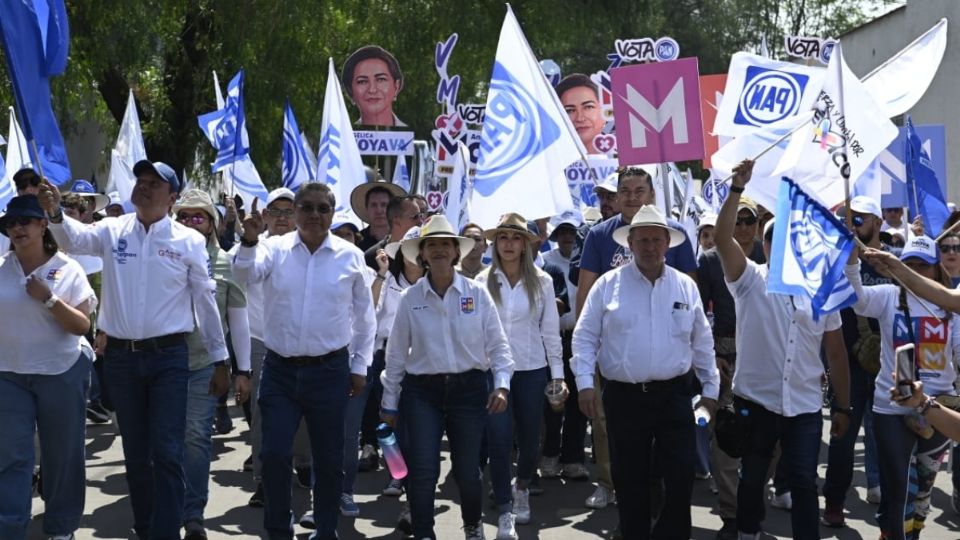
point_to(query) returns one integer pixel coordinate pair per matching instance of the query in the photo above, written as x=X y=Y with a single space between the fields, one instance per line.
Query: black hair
x=395 y=207
x=575 y=80
x=624 y=172
x=315 y=187
x=378 y=189
x=367 y=53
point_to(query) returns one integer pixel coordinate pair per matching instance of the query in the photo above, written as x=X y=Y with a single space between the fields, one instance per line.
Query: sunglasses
x=858 y=221
x=749 y=220
x=277 y=212
x=949 y=248
x=197 y=219
x=322 y=208
x=22 y=221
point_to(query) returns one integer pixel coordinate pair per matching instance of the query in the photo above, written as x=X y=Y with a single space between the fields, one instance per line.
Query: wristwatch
x=248 y=374
x=52 y=301
x=842 y=410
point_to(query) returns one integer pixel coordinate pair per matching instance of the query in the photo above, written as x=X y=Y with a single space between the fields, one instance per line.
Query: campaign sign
x=770 y=95
x=384 y=143
x=892 y=168
x=810 y=48
x=582 y=179
x=711 y=92
x=657 y=112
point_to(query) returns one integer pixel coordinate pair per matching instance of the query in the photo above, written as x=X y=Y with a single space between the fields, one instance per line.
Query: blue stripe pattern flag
x=338 y=161
x=296 y=161
x=810 y=249
x=923 y=189
x=36 y=40
x=226 y=128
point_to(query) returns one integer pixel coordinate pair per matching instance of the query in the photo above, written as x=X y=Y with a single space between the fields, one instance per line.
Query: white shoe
x=506 y=527
x=873 y=495
x=69 y=537
x=307 y=521
x=521 y=505
x=601 y=498
x=784 y=501
x=474 y=532
x=550 y=467
x=576 y=471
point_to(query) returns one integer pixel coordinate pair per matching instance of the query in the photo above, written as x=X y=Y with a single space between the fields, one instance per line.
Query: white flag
x=761 y=91
x=844 y=136
x=18 y=157
x=902 y=80
x=527 y=139
x=459 y=187
x=243 y=176
x=127 y=152
x=338 y=161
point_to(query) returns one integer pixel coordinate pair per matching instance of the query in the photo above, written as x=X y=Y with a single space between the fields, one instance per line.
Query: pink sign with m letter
x=657 y=112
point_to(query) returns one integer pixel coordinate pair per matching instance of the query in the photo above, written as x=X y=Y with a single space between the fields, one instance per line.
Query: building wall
x=870 y=45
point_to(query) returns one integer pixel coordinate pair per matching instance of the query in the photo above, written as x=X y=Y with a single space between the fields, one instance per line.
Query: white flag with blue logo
x=226 y=128
x=810 y=249
x=296 y=161
x=459 y=187
x=127 y=152
x=527 y=139
x=338 y=161
x=18 y=157
x=761 y=91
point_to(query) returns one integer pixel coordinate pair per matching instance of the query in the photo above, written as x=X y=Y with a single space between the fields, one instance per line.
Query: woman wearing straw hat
x=195 y=209
x=45 y=301
x=445 y=338
x=523 y=295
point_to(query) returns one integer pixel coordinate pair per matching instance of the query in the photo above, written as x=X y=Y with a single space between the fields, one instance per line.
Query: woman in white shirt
x=445 y=338
x=904 y=320
x=525 y=304
x=45 y=302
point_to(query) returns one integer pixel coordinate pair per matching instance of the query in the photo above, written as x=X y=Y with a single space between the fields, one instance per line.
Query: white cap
x=865 y=205
x=279 y=193
x=921 y=247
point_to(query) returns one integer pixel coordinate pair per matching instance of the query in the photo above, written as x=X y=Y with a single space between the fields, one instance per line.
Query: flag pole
x=947 y=232
x=925 y=305
x=848 y=214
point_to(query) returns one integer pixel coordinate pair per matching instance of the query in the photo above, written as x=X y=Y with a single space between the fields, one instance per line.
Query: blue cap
x=21 y=206
x=533 y=228
x=159 y=168
x=82 y=186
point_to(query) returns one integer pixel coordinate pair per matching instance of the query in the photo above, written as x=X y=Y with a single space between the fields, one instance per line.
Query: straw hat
x=358 y=197
x=648 y=216
x=86 y=189
x=436 y=227
x=511 y=222
x=392 y=248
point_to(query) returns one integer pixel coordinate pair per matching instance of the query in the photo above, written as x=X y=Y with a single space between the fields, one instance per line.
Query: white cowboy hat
x=648 y=216
x=436 y=227
x=392 y=248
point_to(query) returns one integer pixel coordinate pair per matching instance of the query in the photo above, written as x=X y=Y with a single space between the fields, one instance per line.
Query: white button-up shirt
x=452 y=334
x=640 y=331
x=569 y=319
x=150 y=278
x=311 y=299
x=778 y=346
x=533 y=334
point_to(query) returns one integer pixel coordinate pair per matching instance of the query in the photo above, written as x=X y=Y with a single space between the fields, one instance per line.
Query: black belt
x=150 y=344
x=444 y=378
x=309 y=360
x=651 y=386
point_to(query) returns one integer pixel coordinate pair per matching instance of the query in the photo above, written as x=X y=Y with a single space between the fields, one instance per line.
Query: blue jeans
x=149 y=392
x=356 y=407
x=799 y=438
x=55 y=407
x=430 y=404
x=525 y=408
x=840 y=454
x=318 y=394
x=201 y=407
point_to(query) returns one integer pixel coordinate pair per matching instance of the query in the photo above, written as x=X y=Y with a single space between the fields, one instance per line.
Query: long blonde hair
x=528 y=273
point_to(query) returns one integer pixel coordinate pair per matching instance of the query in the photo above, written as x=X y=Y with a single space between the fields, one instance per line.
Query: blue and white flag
x=459 y=187
x=241 y=177
x=401 y=174
x=810 y=249
x=923 y=189
x=338 y=160
x=296 y=161
x=127 y=152
x=527 y=139
x=226 y=128
x=17 y=158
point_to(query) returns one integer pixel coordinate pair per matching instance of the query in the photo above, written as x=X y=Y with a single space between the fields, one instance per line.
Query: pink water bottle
x=391 y=452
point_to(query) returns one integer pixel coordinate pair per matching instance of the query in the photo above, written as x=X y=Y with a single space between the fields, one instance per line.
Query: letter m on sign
x=657 y=112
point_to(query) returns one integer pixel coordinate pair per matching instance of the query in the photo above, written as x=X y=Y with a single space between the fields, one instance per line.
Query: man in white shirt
x=156 y=274
x=644 y=324
x=309 y=371
x=777 y=377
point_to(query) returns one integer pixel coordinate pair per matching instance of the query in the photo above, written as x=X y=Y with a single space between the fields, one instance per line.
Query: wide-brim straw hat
x=648 y=216
x=436 y=227
x=511 y=222
x=358 y=197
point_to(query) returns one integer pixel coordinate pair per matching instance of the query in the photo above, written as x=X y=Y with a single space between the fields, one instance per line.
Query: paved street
x=558 y=513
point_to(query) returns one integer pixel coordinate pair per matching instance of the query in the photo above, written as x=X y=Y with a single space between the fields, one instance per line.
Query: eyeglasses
x=748 y=221
x=322 y=208
x=858 y=221
x=277 y=212
x=22 y=221
x=420 y=216
x=949 y=248
x=196 y=219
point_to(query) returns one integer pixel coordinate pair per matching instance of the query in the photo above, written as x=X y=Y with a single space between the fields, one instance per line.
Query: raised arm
x=732 y=258
x=927 y=289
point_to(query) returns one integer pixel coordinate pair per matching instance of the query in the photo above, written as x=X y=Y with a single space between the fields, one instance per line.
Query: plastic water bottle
x=391 y=452
x=700 y=414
